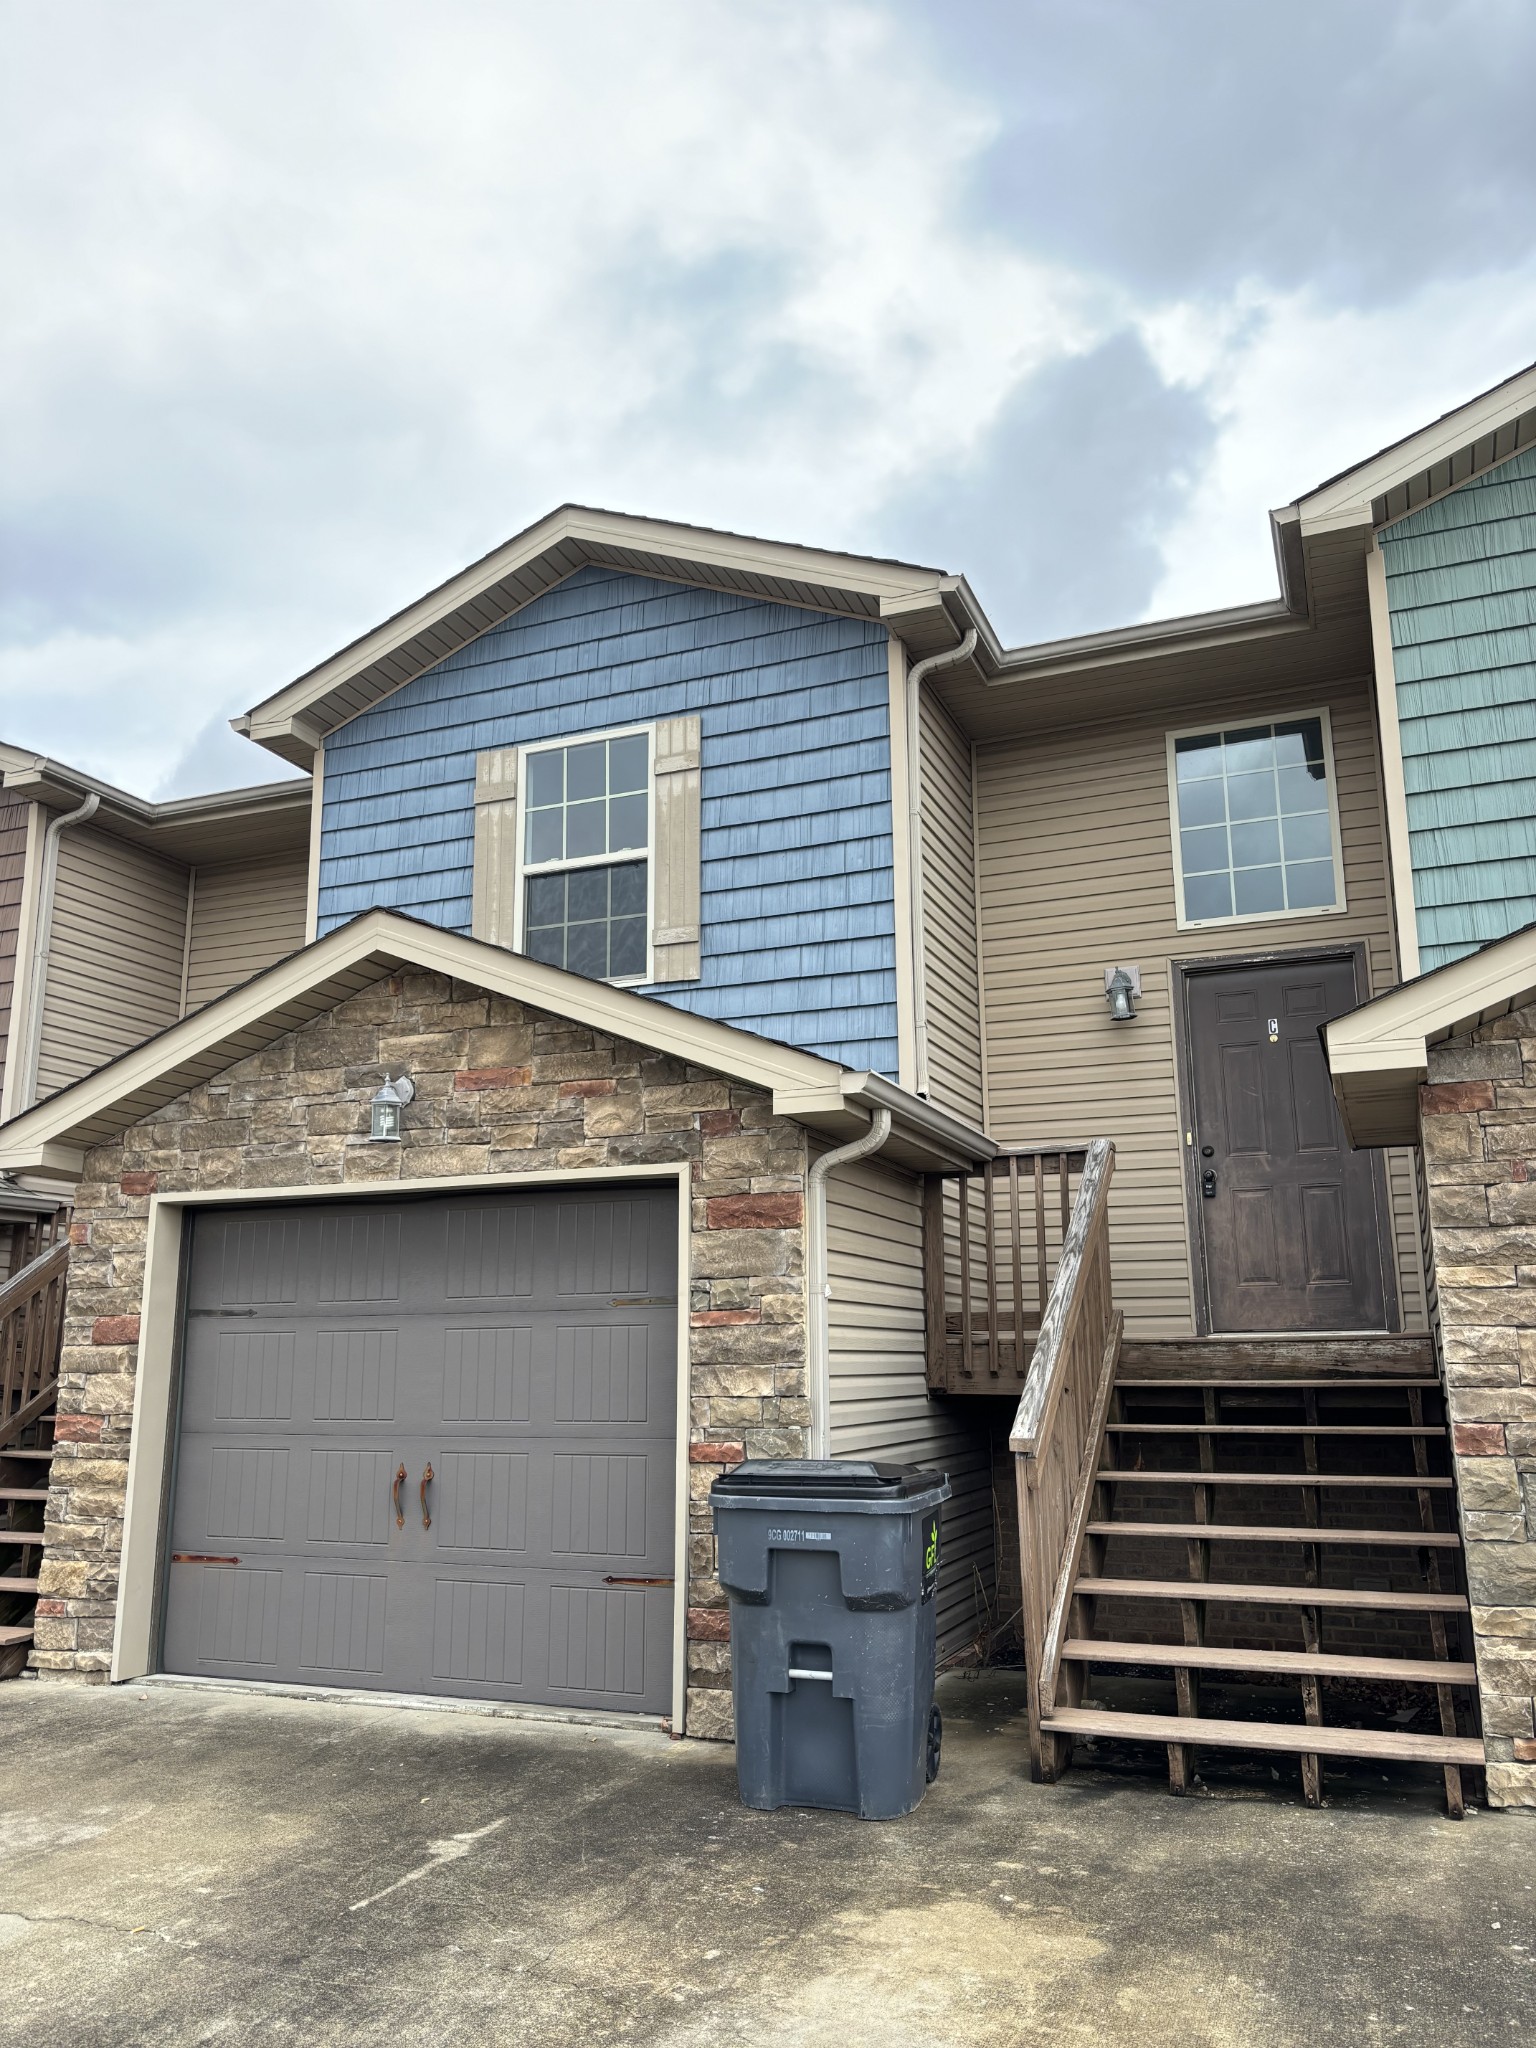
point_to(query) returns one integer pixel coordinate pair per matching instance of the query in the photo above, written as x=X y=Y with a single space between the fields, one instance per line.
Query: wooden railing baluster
x=31 y=1330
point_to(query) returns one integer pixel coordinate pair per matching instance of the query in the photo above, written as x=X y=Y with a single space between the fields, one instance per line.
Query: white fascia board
x=1440 y=1004
x=1347 y=500
x=56 y=1133
x=574 y=529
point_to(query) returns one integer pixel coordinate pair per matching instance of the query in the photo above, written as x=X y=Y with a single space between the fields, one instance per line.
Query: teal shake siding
x=1461 y=590
x=798 y=886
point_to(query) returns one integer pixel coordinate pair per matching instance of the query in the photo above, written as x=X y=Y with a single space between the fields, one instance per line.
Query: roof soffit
x=1440 y=457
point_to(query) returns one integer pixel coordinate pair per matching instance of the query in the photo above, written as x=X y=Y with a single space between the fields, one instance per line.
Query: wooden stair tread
x=1273 y=1596
x=1301 y=1741
x=1260 y=1532
x=13 y=1451
x=1116 y=1474
x=1275 y=1429
x=9 y=1637
x=1298 y=1663
x=17 y=1585
x=21 y=1535
x=1257 y=1386
x=23 y=1493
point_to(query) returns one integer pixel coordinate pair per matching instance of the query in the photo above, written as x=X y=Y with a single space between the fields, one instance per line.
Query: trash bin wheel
x=935 y=1741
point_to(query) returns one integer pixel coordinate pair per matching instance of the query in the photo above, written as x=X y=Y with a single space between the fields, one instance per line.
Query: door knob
x=426 y=1481
x=1208 y=1183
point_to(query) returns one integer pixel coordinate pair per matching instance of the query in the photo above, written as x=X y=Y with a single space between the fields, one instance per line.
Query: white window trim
x=1221 y=724
x=524 y=867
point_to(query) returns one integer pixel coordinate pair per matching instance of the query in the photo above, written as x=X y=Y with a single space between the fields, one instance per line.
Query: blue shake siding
x=797 y=877
x=1461 y=590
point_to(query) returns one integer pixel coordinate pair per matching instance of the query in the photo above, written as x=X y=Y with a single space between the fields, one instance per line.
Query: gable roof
x=1378 y=1054
x=1449 y=452
x=54 y=1136
x=227 y=824
x=927 y=608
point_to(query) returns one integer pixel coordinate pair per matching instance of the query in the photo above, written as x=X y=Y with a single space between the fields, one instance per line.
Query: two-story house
x=731 y=977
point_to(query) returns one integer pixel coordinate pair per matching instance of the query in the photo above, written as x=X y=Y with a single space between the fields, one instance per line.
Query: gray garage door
x=429 y=1447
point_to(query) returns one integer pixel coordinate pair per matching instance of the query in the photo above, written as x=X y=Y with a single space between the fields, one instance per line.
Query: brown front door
x=1288 y=1216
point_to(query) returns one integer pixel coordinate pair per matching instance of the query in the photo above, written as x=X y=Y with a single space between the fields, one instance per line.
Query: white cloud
x=312 y=302
x=1300 y=391
x=323 y=300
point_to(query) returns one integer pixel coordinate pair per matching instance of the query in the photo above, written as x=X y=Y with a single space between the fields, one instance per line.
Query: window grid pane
x=1255 y=830
x=587 y=799
x=589 y=920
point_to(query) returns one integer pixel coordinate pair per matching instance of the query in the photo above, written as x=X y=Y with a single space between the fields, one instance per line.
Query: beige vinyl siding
x=115 y=957
x=880 y=1407
x=245 y=915
x=1076 y=858
x=15 y=819
x=949 y=916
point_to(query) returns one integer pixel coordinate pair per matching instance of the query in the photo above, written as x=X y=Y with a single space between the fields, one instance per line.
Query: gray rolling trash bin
x=831 y=1566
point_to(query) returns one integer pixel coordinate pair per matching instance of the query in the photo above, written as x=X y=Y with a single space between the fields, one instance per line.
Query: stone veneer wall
x=1479 y=1131
x=500 y=1089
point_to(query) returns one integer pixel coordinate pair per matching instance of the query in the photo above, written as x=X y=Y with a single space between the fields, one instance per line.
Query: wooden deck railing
x=991 y=1243
x=31 y=1337
x=1057 y=1437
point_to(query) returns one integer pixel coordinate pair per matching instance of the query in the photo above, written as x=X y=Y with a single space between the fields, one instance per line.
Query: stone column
x=1478 y=1118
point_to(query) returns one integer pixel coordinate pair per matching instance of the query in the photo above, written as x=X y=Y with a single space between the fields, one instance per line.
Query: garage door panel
x=344 y=1623
x=354 y=1375
x=525 y=1348
x=487 y=1373
x=481 y=1501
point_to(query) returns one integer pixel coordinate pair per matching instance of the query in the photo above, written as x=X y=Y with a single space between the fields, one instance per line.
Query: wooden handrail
x=1057 y=1437
x=991 y=1239
x=31 y=1340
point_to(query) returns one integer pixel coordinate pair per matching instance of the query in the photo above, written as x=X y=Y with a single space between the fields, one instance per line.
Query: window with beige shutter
x=587 y=852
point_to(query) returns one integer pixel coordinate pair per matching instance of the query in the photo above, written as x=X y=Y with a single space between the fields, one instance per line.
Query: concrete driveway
x=184 y=1865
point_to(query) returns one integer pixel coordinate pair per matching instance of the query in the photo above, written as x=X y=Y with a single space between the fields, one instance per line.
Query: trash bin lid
x=829 y=1478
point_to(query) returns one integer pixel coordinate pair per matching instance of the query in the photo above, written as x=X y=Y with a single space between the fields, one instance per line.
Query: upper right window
x=1256 y=822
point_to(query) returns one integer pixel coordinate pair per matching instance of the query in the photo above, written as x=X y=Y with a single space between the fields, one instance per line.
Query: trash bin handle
x=810 y=1674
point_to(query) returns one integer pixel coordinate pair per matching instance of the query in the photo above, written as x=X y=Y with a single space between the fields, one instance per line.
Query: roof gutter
x=31 y=1049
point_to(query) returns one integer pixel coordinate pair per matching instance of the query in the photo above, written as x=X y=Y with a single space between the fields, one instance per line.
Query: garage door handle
x=426 y=1481
x=399 y=1481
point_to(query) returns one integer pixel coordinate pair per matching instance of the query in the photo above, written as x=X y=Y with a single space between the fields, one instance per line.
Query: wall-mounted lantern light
x=1122 y=986
x=386 y=1107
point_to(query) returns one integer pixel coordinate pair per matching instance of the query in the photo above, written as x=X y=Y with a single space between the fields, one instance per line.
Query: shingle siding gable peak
x=797 y=856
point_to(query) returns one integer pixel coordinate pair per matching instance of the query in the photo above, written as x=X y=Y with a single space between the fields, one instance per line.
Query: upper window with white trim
x=585 y=856
x=1256 y=822
x=588 y=851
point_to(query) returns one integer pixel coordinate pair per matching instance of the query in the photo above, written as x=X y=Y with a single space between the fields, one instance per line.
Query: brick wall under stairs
x=1273 y=1565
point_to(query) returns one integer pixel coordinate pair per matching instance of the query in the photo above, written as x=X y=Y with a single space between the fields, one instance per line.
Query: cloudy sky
x=309 y=302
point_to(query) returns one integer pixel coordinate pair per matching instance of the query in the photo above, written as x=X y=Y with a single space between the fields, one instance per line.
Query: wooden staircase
x=31 y=1334
x=1287 y=1539
x=24 y=1469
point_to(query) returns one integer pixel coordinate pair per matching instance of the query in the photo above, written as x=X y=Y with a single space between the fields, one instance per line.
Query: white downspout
x=818 y=1288
x=31 y=1051
x=915 y=842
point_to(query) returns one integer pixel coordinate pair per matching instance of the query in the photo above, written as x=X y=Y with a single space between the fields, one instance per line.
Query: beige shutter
x=496 y=847
x=676 y=854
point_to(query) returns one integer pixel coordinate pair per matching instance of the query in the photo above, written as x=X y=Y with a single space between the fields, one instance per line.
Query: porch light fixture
x=385 y=1109
x=1122 y=985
